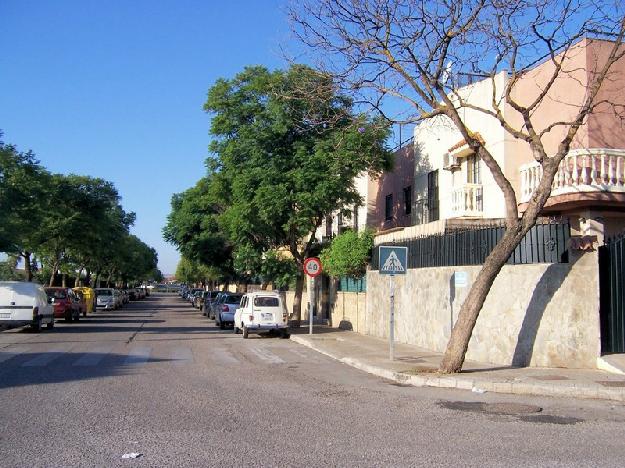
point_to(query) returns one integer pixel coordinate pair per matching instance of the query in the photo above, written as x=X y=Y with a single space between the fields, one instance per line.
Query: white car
x=261 y=311
x=23 y=303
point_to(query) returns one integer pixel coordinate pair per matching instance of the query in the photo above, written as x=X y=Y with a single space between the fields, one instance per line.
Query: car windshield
x=103 y=292
x=266 y=301
x=57 y=294
x=233 y=299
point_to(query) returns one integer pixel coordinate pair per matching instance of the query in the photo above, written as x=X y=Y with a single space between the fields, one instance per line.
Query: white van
x=24 y=303
x=261 y=311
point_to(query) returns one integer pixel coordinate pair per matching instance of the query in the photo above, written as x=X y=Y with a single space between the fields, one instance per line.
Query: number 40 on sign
x=312 y=266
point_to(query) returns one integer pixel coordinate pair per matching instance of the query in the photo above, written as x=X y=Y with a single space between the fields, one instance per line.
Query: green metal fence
x=353 y=285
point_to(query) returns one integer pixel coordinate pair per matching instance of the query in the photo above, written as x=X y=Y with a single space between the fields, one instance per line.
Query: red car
x=66 y=303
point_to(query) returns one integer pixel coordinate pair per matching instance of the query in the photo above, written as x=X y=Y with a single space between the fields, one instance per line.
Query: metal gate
x=612 y=297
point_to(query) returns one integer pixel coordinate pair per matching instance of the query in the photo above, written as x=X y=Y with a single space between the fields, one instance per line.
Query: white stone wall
x=537 y=315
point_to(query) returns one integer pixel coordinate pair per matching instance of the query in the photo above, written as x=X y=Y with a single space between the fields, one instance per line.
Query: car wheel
x=236 y=329
x=36 y=325
x=77 y=316
x=245 y=332
x=50 y=324
x=221 y=324
x=284 y=333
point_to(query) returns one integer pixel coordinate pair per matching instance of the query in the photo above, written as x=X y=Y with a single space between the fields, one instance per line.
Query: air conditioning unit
x=450 y=162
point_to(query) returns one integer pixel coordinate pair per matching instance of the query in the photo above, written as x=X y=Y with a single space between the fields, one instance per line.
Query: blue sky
x=115 y=89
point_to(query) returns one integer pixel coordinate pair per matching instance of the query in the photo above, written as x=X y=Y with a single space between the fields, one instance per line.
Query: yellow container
x=89 y=295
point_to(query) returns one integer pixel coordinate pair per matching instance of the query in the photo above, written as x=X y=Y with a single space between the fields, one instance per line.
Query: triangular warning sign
x=392 y=263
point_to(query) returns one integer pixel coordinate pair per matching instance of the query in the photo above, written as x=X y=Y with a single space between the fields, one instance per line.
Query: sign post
x=393 y=261
x=312 y=268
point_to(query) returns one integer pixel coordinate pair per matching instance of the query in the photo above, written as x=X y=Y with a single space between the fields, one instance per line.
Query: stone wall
x=536 y=315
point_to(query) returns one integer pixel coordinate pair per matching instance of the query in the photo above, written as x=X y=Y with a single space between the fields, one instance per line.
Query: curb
x=478 y=386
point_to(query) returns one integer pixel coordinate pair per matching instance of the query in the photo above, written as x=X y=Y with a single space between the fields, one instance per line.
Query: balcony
x=466 y=201
x=587 y=171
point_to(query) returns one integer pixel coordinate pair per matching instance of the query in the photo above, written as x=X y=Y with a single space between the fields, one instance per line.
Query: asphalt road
x=157 y=378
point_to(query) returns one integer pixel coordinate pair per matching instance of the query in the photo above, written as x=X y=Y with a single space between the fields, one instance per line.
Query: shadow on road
x=62 y=368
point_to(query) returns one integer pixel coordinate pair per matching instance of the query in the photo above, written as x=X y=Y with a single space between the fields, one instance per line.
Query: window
x=433 y=196
x=473 y=169
x=264 y=301
x=408 y=199
x=388 y=207
x=328 y=226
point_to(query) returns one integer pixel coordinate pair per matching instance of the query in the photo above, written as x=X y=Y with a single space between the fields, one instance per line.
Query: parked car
x=89 y=295
x=66 y=303
x=261 y=311
x=215 y=303
x=119 y=301
x=193 y=293
x=23 y=303
x=224 y=315
x=200 y=298
x=209 y=298
x=105 y=298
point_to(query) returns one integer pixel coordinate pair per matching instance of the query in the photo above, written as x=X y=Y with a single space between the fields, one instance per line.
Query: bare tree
x=422 y=52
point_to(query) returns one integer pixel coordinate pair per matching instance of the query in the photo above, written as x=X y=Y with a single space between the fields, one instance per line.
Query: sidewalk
x=416 y=366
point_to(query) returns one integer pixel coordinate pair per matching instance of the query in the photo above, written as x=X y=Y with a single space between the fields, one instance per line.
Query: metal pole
x=311 y=292
x=391 y=335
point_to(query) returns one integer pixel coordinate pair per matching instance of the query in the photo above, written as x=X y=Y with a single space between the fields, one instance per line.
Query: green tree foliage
x=287 y=148
x=23 y=201
x=348 y=254
x=193 y=226
x=70 y=222
x=192 y=272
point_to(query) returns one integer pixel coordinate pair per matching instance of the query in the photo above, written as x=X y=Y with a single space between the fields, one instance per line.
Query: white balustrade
x=467 y=200
x=593 y=170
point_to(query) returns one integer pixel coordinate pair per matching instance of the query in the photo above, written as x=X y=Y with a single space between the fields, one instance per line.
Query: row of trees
x=70 y=224
x=285 y=151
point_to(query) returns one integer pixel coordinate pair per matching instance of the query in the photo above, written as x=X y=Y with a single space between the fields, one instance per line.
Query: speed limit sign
x=312 y=266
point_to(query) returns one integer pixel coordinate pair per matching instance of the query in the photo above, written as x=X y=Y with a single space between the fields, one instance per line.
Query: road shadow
x=62 y=368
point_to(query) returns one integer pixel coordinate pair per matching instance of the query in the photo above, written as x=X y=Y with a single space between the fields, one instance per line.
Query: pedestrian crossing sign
x=393 y=260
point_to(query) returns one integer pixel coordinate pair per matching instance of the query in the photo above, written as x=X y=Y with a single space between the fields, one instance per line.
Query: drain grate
x=612 y=383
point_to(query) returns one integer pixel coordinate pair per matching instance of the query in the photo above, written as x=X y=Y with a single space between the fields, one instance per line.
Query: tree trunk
x=27 y=267
x=88 y=277
x=297 y=300
x=64 y=280
x=453 y=358
x=55 y=267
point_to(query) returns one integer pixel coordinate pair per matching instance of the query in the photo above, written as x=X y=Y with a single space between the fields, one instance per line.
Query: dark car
x=66 y=303
x=209 y=298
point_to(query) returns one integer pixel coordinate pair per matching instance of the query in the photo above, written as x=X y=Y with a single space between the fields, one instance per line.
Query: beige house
x=538 y=314
x=451 y=183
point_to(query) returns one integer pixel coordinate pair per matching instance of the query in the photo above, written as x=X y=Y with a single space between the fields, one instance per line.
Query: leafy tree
x=348 y=254
x=193 y=227
x=287 y=148
x=192 y=272
x=420 y=53
x=23 y=198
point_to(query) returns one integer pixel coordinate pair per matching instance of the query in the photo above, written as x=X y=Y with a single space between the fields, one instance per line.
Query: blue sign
x=393 y=260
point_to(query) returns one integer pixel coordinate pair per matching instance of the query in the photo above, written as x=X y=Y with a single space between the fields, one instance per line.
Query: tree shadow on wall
x=550 y=281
